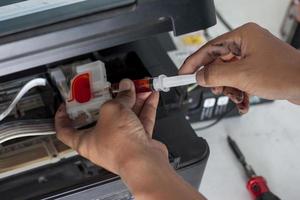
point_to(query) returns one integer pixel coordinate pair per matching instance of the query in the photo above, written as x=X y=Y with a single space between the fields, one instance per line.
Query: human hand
x=123 y=134
x=248 y=59
x=122 y=143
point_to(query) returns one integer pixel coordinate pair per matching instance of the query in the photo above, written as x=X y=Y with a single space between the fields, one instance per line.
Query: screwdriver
x=256 y=185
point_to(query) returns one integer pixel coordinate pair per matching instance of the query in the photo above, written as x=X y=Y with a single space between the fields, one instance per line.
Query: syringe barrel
x=141 y=86
x=176 y=81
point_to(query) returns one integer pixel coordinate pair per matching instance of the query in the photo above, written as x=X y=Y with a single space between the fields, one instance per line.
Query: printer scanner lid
x=38 y=32
x=20 y=15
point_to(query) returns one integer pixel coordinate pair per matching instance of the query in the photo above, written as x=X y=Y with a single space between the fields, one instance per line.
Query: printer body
x=129 y=36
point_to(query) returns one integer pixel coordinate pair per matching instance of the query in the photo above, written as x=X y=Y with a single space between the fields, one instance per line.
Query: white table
x=269 y=136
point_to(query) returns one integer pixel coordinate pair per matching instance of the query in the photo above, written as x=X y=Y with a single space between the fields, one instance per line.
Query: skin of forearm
x=154 y=179
x=295 y=101
x=294 y=80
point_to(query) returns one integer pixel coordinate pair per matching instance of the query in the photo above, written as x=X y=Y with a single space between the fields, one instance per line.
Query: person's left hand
x=123 y=134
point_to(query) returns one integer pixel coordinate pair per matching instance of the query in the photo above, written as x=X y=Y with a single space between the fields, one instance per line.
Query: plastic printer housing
x=124 y=34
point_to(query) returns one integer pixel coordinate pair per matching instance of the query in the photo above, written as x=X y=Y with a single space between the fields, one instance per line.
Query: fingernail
x=239 y=98
x=241 y=112
x=125 y=84
x=241 y=95
x=242 y=109
x=236 y=98
x=232 y=98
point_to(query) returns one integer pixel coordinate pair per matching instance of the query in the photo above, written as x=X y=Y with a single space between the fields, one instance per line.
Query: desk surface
x=269 y=136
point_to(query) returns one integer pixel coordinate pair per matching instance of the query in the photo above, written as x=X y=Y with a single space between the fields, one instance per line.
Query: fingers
x=235 y=95
x=220 y=57
x=202 y=57
x=240 y=98
x=219 y=73
x=76 y=140
x=220 y=46
x=64 y=129
x=217 y=90
x=127 y=95
x=140 y=100
x=148 y=113
x=244 y=105
x=221 y=62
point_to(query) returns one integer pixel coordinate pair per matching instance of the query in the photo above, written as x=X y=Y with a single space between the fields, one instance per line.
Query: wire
x=207 y=35
x=26 y=128
x=192 y=88
x=31 y=84
x=219 y=119
x=224 y=22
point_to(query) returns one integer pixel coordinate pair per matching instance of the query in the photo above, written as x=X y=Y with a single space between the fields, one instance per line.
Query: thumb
x=220 y=73
x=64 y=128
x=127 y=95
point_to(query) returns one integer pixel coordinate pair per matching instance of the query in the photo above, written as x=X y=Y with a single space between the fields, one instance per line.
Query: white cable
x=31 y=84
x=26 y=128
x=2 y=140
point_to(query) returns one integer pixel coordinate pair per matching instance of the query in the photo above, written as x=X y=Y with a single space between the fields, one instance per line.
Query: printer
x=131 y=38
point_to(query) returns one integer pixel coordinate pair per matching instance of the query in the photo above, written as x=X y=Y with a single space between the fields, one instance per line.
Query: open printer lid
x=20 y=15
x=37 y=32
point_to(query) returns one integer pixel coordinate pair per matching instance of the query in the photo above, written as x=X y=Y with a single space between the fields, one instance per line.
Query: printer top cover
x=32 y=30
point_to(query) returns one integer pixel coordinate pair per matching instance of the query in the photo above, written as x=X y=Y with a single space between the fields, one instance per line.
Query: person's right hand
x=263 y=65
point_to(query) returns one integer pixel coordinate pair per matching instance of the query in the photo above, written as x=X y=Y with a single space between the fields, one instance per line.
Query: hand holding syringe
x=164 y=83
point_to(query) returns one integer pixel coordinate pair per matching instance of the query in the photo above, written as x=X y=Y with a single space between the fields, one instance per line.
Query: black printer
x=128 y=36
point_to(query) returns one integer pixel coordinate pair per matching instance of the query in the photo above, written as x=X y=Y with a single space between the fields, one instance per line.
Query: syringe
x=160 y=83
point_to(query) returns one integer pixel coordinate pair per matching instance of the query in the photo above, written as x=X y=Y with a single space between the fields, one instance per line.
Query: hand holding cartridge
x=122 y=143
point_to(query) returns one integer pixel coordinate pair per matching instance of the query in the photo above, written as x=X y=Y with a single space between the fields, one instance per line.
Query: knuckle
x=265 y=30
x=111 y=105
x=189 y=60
x=165 y=149
x=251 y=25
x=59 y=136
x=80 y=147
